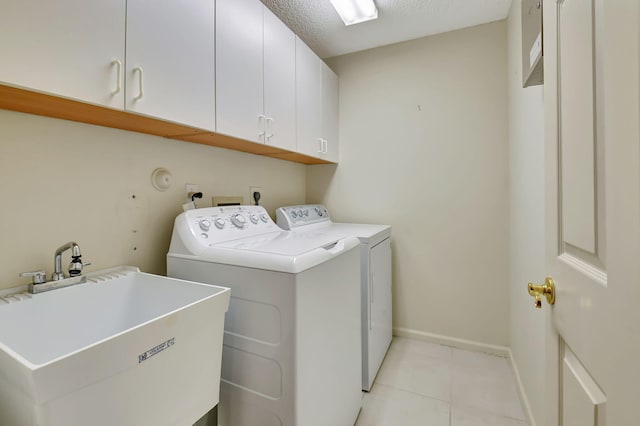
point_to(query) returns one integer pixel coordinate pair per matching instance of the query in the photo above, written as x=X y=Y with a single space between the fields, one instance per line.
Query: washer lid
x=283 y=243
x=293 y=254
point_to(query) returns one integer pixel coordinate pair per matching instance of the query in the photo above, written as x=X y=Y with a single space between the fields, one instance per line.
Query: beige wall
x=66 y=181
x=423 y=147
x=526 y=179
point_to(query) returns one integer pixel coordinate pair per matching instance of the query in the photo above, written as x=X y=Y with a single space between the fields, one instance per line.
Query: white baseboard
x=472 y=345
x=452 y=341
x=526 y=406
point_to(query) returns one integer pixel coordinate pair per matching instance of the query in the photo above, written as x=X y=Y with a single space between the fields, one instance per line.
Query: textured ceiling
x=320 y=26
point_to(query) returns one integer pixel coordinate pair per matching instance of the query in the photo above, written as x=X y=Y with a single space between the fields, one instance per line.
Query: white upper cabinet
x=317 y=105
x=330 y=113
x=308 y=101
x=170 y=63
x=255 y=74
x=65 y=47
x=279 y=83
x=239 y=72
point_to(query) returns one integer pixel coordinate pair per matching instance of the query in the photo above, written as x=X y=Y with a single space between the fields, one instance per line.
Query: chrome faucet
x=58 y=279
x=75 y=267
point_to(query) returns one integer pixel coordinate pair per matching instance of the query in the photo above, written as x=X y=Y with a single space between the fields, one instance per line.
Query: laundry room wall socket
x=189 y=188
x=253 y=189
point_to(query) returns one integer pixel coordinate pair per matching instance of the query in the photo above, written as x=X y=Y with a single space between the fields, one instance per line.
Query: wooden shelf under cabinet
x=17 y=99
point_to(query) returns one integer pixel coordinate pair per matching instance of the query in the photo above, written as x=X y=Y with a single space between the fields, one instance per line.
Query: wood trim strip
x=31 y=102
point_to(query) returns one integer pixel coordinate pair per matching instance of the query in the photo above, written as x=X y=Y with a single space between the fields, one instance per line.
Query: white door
x=279 y=83
x=593 y=211
x=239 y=69
x=308 y=101
x=330 y=113
x=67 y=48
x=170 y=60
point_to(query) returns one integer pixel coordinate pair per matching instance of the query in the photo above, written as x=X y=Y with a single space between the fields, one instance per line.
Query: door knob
x=548 y=289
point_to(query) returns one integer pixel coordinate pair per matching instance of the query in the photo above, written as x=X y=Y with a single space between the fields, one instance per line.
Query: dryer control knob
x=264 y=218
x=205 y=224
x=254 y=218
x=294 y=214
x=219 y=223
x=238 y=220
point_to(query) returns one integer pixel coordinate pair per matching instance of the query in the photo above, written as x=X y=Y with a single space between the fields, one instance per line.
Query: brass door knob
x=548 y=289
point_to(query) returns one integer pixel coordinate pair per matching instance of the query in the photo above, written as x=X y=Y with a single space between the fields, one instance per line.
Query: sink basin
x=125 y=348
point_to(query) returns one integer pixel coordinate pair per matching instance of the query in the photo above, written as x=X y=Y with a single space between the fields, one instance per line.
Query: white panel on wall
x=577 y=138
x=583 y=400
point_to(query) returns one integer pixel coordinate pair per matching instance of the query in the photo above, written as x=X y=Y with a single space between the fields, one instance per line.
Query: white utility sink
x=125 y=348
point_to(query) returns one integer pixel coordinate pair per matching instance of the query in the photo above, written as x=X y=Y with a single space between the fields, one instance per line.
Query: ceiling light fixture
x=355 y=11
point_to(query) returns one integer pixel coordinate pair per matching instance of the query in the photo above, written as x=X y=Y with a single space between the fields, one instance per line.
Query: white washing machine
x=375 y=252
x=291 y=353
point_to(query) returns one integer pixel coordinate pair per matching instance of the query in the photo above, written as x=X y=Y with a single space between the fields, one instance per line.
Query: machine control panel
x=294 y=216
x=213 y=225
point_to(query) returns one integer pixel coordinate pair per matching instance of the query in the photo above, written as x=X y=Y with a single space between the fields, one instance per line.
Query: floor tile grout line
x=411 y=392
x=485 y=411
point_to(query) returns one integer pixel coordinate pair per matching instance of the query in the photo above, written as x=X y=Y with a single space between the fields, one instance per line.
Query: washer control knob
x=219 y=223
x=254 y=218
x=306 y=213
x=264 y=217
x=205 y=224
x=238 y=220
x=294 y=214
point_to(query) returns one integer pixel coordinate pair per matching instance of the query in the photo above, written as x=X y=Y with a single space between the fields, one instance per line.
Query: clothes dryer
x=375 y=253
x=291 y=353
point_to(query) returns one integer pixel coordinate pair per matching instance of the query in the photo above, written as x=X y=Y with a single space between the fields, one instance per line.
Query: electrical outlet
x=253 y=189
x=189 y=188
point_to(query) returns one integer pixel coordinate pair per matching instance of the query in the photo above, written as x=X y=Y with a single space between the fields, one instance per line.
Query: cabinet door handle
x=326 y=146
x=269 y=126
x=321 y=145
x=262 y=126
x=140 y=90
x=118 y=65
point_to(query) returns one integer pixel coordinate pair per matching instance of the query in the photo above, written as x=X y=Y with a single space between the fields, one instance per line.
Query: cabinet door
x=330 y=113
x=279 y=82
x=64 y=47
x=170 y=60
x=239 y=69
x=308 y=101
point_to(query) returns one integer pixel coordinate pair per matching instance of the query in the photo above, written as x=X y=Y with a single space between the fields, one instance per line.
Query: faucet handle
x=39 y=277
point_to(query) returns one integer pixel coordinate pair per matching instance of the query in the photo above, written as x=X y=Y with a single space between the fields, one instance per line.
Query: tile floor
x=427 y=384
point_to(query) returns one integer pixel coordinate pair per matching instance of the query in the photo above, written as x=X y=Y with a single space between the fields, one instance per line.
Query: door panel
x=592 y=163
x=576 y=256
x=576 y=116
x=583 y=398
